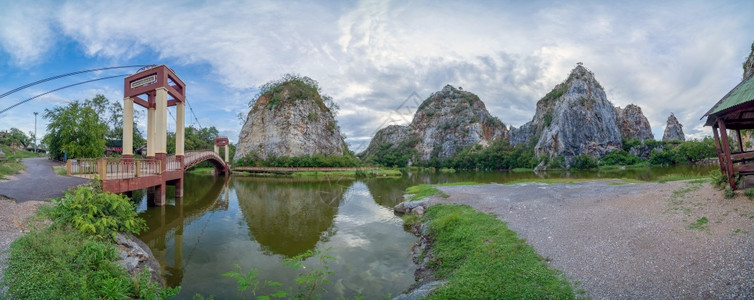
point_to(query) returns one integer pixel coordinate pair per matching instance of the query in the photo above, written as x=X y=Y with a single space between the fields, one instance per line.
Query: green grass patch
x=482 y=259
x=202 y=171
x=60 y=170
x=425 y=190
x=679 y=177
x=700 y=224
x=11 y=167
x=62 y=263
x=749 y=193
x=522 y=170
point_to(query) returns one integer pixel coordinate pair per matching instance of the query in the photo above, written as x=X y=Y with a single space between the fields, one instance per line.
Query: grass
x=426 y=190
x=202 y=171
x=350 y=173
x=61 y=263
x=749 y=193
x=60 y=170
x=522 y=170
x=700 y=224
x=423 y=191
x=13 y=165
x=482 y=259
x=679 y=177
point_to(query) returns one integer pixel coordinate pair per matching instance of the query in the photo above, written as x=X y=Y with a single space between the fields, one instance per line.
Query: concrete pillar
x=128 y=127
x=179 y=188
x=150 y=132
x=226 y=152
x=217 y=150
x=180 y=132
x=161 y=120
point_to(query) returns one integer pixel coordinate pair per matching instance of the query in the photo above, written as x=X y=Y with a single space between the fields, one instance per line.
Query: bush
x=619 y=158
x=583 y=162
x=729 y=193
x=98 y=213
x=749 y=193
x=663 y=158
x=62 y=263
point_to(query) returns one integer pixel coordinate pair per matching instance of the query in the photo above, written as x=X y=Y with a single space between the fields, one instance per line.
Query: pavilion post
x=726 y=150
x=720 y=159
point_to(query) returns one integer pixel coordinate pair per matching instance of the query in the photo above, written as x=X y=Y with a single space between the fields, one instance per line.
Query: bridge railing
x=109 y=168
x=172 y=164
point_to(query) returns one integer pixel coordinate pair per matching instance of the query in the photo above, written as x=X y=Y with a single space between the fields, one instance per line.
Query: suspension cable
x=64 y=75
x=55 y=90
x=192 y=112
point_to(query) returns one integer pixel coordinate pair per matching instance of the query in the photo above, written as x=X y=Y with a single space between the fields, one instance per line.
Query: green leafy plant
x=250 y=281
x=311 y=282
x=583 y=162
x=700 y=224
x=749 y=193
x=729 y=193
x=98 y=213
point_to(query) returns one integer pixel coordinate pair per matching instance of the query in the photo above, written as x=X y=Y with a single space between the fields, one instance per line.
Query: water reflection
x=289 y=217
x=166 y=223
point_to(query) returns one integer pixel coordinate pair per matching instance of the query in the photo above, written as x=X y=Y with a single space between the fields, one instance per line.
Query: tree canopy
x=75 y=128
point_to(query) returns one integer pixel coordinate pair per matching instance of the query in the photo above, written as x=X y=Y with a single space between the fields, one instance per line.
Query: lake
x=257 y=222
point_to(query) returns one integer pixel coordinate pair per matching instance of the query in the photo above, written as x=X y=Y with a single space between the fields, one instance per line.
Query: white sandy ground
x=630 y=241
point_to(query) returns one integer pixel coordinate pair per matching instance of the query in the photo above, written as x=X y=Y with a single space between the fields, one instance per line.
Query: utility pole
x=35 y=132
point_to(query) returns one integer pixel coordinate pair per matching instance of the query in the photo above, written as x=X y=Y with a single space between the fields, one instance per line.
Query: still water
x=257 y=222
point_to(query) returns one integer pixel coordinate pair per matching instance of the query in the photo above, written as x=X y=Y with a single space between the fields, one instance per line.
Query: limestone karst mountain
x=633 y=124
x=574 y=118
x=673 y=130
x=444 y=124
x=290 y=118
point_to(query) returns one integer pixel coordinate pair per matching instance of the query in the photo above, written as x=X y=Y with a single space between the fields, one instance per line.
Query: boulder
x=135 y=256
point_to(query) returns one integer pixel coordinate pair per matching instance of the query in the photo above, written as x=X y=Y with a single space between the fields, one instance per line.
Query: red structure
x=155 y=88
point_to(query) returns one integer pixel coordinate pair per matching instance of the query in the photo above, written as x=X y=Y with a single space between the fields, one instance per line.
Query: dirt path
x=631 y=241
x=38 y=182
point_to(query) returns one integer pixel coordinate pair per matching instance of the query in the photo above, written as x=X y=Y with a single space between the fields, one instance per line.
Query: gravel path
x=38 y=182
x=630 y=241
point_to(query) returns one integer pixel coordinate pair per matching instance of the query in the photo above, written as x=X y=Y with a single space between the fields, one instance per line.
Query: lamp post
x=35 y=132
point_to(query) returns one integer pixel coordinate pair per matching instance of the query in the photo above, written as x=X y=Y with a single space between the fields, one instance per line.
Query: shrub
x=663 y=158
x=619 y=158
x=98 y=213
x=583 y=162
x=62 y=263
x=729 y=193
x=749 y=193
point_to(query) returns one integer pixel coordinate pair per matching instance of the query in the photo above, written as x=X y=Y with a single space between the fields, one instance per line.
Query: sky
x=379 y=59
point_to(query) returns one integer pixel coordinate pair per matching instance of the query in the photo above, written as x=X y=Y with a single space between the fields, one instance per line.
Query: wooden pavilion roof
x=736 y=108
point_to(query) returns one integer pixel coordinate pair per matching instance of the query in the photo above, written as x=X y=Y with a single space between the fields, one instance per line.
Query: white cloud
x=675 y=56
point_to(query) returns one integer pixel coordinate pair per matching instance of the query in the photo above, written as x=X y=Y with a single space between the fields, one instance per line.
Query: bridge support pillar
x=179 y=188
x=156 y=195
x=128 y=127
x=151 y=140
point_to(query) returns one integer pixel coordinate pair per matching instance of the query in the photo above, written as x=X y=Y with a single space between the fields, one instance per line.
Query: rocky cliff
x=673 y=130
x=633 y=124
x=386 y=138
x=290 y=119
x=452 y=119
x=444 y=124
x=574 y=118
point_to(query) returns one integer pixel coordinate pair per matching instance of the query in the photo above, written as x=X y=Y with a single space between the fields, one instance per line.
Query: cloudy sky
x=376 y=58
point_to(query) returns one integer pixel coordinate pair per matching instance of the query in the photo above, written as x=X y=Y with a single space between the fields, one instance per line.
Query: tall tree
x=76 y=129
